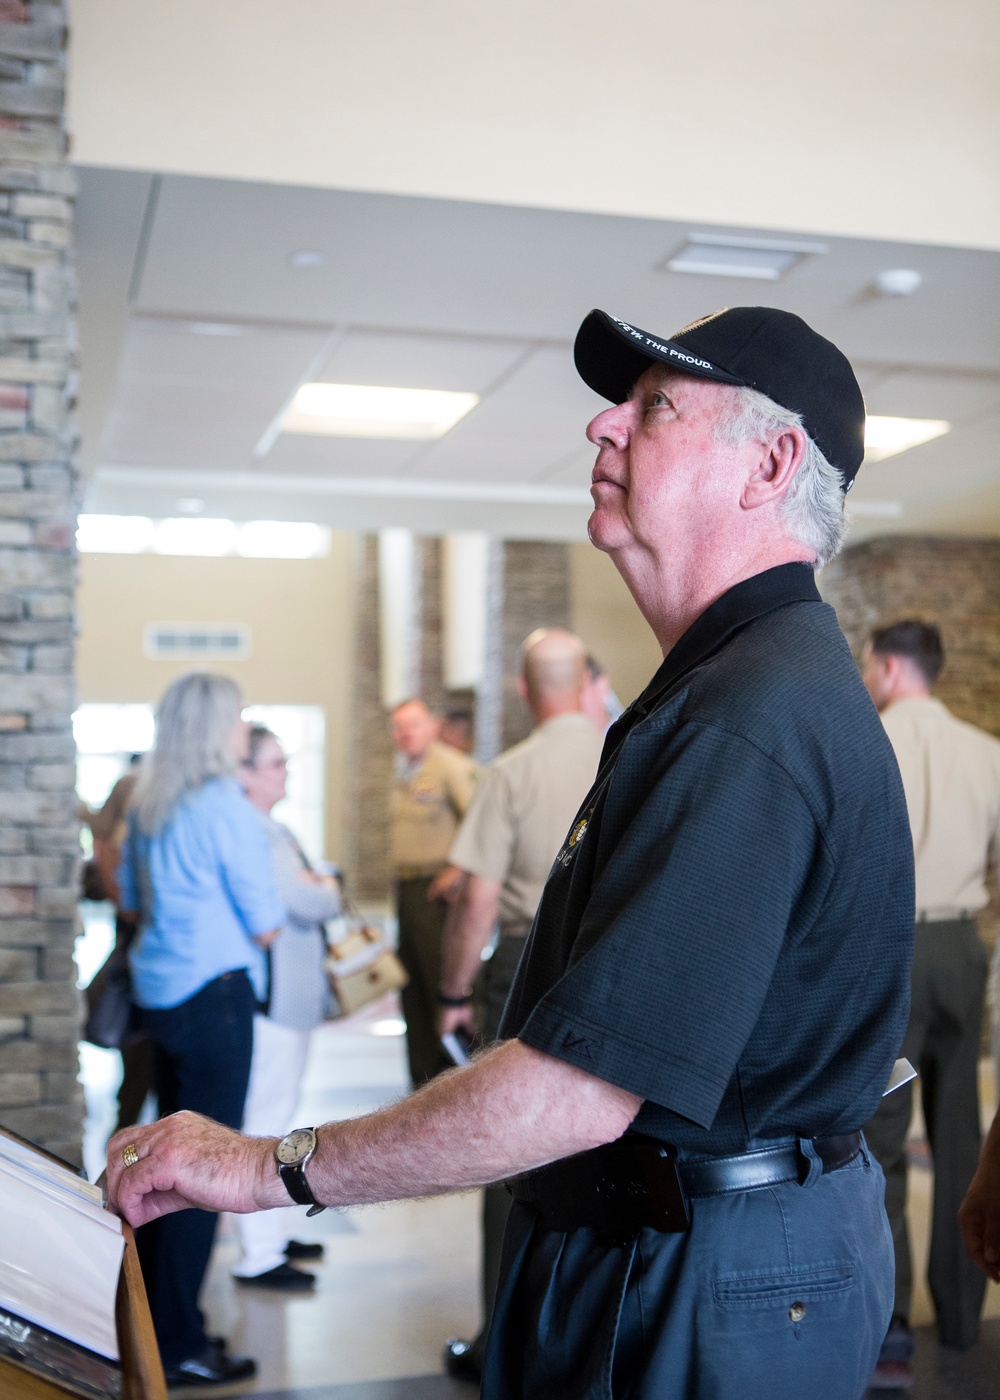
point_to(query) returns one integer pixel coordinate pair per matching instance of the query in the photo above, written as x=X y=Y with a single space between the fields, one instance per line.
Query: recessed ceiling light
x=887 y=437
x=283 y=539
x=219 y=328
x=720 y=255
x=898 y=281
x=307 y=257
x=369 y=410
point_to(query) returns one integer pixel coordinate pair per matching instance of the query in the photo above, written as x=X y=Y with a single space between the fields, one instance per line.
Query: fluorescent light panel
x=374 y=411
x=257 y=539
x=888 y=437
x=721 y=255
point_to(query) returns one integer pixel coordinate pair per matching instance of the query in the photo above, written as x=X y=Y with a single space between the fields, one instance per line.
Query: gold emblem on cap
x=701 y=321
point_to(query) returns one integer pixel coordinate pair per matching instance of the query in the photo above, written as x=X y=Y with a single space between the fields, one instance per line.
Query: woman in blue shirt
x=196 y=871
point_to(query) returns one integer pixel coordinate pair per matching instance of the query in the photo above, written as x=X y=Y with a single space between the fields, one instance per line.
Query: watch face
x=296 y=1146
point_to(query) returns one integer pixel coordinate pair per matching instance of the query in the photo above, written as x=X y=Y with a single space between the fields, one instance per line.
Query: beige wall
x=839 y=116
x=301 y=613
x=609 y=622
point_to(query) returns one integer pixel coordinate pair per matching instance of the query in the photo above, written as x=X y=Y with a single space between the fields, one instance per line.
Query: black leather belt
x=638 y=1183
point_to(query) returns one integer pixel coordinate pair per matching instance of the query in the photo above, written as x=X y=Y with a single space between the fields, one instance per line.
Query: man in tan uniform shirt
x=951 y=777
x=518 y=820
x=432 y=789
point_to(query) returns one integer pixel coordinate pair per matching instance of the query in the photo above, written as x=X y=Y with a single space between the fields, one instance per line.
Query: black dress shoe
x=212 y=1366
x=461 y=1361
x=282 y=1277
x=298 y=1249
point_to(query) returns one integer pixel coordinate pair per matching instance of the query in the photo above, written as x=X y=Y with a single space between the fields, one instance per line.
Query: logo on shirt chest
x=575 y=837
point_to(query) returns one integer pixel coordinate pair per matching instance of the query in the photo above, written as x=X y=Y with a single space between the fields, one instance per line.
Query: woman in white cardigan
x=298 y=998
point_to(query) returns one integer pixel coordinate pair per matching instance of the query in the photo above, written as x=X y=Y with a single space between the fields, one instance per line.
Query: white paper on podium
x=59 y=1260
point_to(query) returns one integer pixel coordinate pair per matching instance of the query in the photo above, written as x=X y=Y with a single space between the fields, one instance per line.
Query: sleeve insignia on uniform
x=578 y=831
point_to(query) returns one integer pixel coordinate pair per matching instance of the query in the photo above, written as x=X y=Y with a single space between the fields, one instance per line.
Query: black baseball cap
x=757 y=347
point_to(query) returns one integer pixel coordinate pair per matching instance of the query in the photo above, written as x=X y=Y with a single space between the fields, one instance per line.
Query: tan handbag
x=362 y=968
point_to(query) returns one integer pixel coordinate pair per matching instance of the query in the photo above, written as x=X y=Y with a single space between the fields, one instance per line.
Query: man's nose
x=610 y=427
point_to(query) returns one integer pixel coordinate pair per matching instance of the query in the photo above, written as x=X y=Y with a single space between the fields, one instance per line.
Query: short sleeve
x=684 y=925
x=245 y=864
x=485 y=841
x=462 y=783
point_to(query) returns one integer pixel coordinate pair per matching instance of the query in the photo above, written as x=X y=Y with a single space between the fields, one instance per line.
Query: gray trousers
x=492 y=991
x=942 y=1042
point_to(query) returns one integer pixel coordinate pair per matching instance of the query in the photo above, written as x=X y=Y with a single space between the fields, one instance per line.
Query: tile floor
x=397 y=1280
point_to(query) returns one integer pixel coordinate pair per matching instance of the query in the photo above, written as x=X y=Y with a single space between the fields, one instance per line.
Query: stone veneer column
x=534 y=582
x=537 y=593
x=39 y=1004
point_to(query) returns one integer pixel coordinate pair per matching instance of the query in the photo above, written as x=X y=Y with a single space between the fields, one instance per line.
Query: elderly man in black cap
x=716 y=982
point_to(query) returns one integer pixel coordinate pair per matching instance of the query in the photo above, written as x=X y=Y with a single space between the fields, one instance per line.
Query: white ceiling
x=451 y=295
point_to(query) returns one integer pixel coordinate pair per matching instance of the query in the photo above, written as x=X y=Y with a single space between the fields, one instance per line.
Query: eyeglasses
x=263 y=767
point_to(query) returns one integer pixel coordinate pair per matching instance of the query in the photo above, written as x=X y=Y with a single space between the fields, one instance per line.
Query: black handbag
x=110 y=1021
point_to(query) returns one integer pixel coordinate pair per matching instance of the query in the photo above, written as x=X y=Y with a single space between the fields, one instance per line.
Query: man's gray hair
x=813 y=507
x=194 y=725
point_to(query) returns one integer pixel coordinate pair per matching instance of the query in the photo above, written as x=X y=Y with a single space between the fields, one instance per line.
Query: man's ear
x=775 y=469
x=522 y=688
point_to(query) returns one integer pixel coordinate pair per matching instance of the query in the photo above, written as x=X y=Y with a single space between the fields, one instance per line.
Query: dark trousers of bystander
x=421 y=936
x=203 y=1049
x=942 y=1043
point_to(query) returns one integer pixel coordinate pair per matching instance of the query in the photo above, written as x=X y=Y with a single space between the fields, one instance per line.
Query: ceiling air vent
x=188 y=641
x=720 y=255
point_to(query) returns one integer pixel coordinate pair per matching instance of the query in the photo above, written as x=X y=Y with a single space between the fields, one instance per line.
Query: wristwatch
x=294 y=1152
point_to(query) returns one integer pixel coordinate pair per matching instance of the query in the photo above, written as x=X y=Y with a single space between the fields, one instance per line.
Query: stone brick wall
x=954 y=583
x=39 y=1004
x=537 y=593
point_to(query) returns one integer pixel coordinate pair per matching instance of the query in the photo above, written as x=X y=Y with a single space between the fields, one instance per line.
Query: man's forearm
x=515 y=1108
x=469 y=929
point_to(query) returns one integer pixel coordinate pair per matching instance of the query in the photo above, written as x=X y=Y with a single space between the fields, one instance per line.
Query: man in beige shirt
x=951 y=777
x=431 y=791
x=517 y=822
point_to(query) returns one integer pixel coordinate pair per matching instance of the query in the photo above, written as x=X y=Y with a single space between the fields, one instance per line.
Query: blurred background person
x=298 y=996
x=109 y=827
x=196 y=874
x=458 y=731
x=517 y=821
x=951 y=777
x=431 y=792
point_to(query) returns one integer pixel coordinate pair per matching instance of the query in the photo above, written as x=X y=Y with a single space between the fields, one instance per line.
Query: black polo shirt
x=728 y=930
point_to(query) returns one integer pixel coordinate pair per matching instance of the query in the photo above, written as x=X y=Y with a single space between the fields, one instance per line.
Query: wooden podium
x=142 y=1373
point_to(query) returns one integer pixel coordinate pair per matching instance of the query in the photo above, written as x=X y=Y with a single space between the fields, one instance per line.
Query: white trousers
x=279 y=1061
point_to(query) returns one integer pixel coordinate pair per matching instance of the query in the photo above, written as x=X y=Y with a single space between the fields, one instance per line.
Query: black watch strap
x=296 y=1185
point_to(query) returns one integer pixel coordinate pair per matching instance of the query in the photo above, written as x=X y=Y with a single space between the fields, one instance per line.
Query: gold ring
x=129 y=1154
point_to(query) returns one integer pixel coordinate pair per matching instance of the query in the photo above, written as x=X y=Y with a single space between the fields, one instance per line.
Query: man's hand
x=979 y=1214
x=264 y=940
x=454 y=1018
x=445 y=887
x=187 y=1160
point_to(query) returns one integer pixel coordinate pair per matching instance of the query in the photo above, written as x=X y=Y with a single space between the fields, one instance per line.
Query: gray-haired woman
x=196 y=871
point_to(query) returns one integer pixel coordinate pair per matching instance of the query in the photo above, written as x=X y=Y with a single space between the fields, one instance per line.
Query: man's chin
x=606 y=532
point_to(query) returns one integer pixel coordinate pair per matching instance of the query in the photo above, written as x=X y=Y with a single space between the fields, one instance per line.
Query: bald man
x=518 y=819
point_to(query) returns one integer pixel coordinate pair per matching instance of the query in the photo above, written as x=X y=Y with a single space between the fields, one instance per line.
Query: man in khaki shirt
x=516 y=824
x=951 y=777
x=432 y=789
